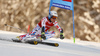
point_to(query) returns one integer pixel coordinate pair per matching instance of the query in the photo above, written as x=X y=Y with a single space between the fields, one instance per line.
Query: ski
x=16 y=40
x=37 y=42
x=30 y=42
x=41 y=42
x=49 y=43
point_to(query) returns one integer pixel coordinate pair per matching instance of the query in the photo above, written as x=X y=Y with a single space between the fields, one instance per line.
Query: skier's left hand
x=61 y=36
x=43 y=36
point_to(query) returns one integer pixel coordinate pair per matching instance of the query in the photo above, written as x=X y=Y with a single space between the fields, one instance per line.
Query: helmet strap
x=49 y=18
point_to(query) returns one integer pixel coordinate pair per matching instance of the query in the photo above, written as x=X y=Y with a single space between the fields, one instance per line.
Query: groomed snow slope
x=66 y=48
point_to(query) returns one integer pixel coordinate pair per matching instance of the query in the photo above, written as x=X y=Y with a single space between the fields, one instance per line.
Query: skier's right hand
x=43 y=36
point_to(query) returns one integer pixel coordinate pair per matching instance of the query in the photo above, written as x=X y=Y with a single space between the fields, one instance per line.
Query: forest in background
x=21 y=13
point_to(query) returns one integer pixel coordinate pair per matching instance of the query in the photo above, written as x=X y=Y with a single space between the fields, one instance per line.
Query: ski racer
x=41 y=30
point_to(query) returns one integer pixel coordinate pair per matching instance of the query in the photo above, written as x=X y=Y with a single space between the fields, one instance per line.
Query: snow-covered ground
x=66 y=47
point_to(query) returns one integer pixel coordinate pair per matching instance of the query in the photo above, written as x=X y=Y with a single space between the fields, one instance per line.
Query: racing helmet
x=53 y=14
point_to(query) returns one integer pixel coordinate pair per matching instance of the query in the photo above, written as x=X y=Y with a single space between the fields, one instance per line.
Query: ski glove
x=61 y=36
x=43 y=35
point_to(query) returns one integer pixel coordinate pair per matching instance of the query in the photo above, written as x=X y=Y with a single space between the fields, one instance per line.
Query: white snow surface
x=66 y=47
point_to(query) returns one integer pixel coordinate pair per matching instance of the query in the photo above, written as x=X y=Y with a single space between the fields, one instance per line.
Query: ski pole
x=15 y=28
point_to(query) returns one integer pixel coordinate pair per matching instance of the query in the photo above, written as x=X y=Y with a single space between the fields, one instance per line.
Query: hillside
x=21 y=13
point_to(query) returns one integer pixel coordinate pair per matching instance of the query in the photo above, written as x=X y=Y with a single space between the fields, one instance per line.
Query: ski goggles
x=54 y=17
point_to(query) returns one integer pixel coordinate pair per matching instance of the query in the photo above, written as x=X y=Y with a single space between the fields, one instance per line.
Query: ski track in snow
x=66 y=47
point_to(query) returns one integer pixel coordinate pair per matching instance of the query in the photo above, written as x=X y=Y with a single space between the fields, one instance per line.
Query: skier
x=41 y=30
